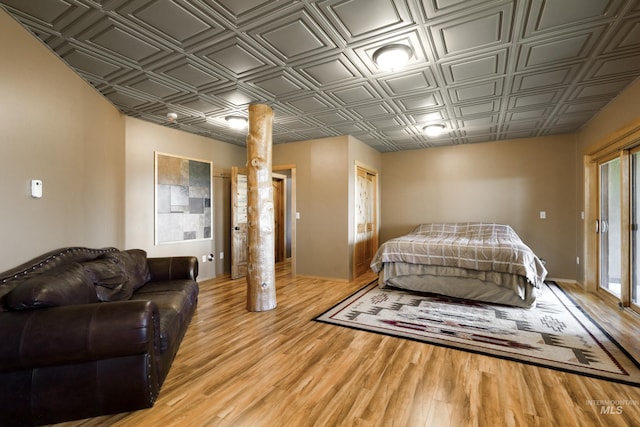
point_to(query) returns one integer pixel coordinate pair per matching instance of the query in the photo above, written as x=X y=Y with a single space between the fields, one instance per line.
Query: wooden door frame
x=291 y=168
x=280 y=209
x=617 y=143
x=376 y=210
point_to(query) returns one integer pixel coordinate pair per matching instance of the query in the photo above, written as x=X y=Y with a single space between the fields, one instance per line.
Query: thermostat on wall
x=36 y=188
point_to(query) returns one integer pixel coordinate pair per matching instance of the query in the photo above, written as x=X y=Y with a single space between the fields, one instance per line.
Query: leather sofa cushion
x=109 y=278
x=176 y=301
x=134 y=264
x=60 y=286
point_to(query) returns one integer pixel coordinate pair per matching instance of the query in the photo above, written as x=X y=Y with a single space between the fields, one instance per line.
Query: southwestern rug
x=555 y=334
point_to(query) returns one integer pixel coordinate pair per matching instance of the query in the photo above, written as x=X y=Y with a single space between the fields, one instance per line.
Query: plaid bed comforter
x=469 y=245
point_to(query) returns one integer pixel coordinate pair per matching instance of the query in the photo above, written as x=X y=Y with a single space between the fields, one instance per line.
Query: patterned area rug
x=555 y=334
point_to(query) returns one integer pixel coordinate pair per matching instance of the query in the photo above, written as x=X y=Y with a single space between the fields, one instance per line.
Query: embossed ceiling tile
x=293 y=37
x=311 y=102
x=357 y=94
x=43 y=10
x=484 y=29
x=235 y=56
x=350 y=128
x=590 y=107
x=421 y=101
x=170 y=18
x=409 y=81
x=519 y=126
x=331 y=71
x=475 y=67
x=280 y=85
x=555 y=51
x=333 y=117
x=627 y=36
x=123 y=99
x=527 y=114
x=241 y=11
x=544 y=15
x=480 y=123
x=534 y=99
x=438 y=8
x=484 y=107
x=191 y=74
x=428 y=117
x=376 y=109
x=472 y=92
x=617 y=66
x=121 y=42
x=237 y=97
x=317 y=133
x=544 y=78
x=200 y=106
x=154 y=88
x=571 y=121
x=356 y=19
x=520 y=134
x=297 y=124
x=90 y=63
x=599 y=88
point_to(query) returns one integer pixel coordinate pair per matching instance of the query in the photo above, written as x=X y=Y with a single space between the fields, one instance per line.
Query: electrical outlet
x=221 y=255
x=578 y=260
x=204 y=258
x=543 y=215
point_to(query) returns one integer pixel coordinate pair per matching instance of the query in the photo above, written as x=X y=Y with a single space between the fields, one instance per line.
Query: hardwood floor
x=279 y=368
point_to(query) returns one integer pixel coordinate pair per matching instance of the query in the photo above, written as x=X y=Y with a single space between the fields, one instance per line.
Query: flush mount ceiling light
x=393 y=56
x=172 y=117
x=434 y=130
x=236 y=122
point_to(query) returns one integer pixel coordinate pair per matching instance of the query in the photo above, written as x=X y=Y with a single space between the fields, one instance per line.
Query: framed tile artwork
x=183 y=199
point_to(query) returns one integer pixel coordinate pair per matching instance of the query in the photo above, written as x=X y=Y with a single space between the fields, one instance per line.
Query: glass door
x=635 y=237
x=609 y=227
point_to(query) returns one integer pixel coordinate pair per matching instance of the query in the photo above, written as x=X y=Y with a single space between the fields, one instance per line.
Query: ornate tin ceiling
x=488 y=70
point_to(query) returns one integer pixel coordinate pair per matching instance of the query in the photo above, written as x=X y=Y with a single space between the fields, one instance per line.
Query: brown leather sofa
x=86 y=332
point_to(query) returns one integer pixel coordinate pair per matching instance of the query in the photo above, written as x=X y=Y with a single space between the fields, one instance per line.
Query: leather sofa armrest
x=77 y=333
x=173 y=268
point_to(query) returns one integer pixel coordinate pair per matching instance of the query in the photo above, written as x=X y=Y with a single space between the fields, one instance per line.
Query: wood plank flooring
x=279 y=368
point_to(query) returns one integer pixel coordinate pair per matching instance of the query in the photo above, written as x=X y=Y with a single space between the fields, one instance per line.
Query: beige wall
x=143 y=139
x=55 y=127
x=325 y=185
x=321 y=199
x=506 y=182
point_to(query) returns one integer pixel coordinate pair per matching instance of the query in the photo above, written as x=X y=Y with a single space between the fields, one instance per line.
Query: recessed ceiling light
x=236 y=122
x=393 y=56
x=434 y=130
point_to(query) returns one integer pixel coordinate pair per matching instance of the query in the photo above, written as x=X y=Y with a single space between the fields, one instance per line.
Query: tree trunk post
x=261 y=281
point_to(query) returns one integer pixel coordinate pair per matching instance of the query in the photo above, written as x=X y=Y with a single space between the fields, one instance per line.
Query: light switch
x=36 y=188
x=543 y=215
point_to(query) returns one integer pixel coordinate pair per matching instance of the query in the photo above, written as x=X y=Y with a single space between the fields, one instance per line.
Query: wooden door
x=366 y=239
x=278 y=216
x=239 y=223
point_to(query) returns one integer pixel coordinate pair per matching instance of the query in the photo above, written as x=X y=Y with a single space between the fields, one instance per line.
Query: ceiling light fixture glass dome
x=393 y=56
x=236 y=122
x=434 y=130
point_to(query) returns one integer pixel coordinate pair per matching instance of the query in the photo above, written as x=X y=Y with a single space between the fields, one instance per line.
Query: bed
x=472 y=260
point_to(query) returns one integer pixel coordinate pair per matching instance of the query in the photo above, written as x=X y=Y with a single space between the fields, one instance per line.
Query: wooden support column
x=261 y=278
